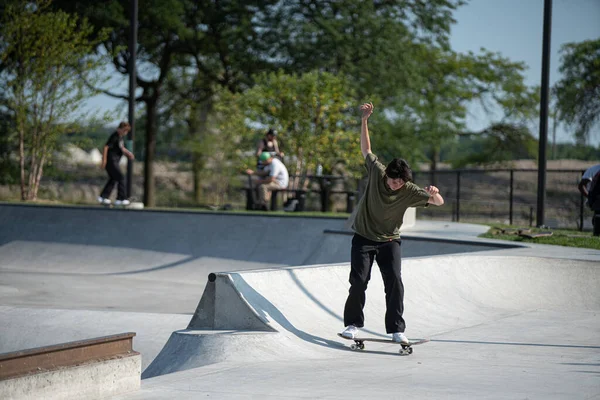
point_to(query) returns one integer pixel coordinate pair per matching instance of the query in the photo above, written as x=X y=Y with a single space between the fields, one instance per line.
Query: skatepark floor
x=504 y=323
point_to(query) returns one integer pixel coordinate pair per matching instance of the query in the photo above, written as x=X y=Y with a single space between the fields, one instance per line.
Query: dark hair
x=398 y=168
x=272 y=131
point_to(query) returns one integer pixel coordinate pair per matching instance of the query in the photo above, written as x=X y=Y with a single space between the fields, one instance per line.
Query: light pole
x=132 y=85
x=541 y=197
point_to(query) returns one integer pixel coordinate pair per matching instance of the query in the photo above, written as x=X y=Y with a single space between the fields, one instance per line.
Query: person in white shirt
x=275 y=177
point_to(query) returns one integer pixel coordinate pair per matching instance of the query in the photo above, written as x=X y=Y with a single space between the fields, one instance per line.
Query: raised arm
x=276 y=147
x=365 y=142
x=260 y=147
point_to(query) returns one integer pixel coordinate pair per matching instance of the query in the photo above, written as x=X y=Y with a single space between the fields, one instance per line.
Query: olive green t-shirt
x=380 y=211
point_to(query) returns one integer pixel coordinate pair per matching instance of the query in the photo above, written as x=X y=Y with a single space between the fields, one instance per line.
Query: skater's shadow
x=323 y=307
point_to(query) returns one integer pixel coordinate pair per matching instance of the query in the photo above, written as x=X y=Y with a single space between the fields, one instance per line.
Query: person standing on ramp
x=389 y=192
x=111 y=156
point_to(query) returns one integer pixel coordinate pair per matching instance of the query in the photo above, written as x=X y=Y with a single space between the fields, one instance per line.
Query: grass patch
x=560 y=237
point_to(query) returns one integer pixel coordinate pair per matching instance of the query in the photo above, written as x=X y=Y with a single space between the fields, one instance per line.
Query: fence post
x=301 y=196
x=249 y=201
x=510 y=207
x=530 y=217
x=325 y=185
x=457 y=196
x=350 y=197
x=274 y=200
x=581 y=204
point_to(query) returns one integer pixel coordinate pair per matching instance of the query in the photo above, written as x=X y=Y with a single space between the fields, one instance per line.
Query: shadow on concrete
x=267 y=311
x=570 y=346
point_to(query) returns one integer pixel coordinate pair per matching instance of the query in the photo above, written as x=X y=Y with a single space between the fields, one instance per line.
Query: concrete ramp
x=153 y=261
x=297 y=311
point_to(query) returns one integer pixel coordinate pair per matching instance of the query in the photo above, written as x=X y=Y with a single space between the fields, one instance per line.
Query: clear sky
x=512 y=27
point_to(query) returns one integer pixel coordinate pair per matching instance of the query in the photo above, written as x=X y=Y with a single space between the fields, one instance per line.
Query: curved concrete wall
x=305 y=304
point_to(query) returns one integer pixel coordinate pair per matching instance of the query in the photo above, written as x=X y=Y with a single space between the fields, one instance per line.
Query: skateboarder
x=389 y=192
x=111 y=156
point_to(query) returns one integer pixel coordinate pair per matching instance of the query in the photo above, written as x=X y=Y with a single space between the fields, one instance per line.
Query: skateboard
x=359 y=343
x=134 y=204
x=531 y=235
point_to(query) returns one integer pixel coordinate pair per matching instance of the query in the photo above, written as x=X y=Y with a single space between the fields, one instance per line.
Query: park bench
x=300 y=195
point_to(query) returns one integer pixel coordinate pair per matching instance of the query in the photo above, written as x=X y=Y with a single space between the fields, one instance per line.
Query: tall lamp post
x=541 y=195
x=132 y=86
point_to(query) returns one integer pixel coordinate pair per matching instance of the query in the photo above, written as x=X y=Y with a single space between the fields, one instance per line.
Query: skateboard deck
x=134 y=205
x=535 y=234
x=359 y=343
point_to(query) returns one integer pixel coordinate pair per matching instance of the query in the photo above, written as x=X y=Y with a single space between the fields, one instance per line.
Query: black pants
x=115 y=178
x=388 y=256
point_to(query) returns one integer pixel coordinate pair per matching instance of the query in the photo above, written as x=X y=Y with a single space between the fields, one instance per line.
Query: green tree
x=372 y=42
x=457 y=81
x=8 y=146
x=189 y=104
x=161 y=31
x=578 y=91
x=44 y=56
x=315 y=114
x=230 y=43
x=496 y=143
x=397 y=54
x=223 y=43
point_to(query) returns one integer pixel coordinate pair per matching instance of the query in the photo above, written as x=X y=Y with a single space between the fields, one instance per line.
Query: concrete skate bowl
x=110 y=241
x=150 y=265
x=100 y=239
x=296 y=312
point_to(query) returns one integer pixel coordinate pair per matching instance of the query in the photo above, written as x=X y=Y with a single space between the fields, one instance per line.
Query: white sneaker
x=102 y=200
x=350 y=332
x=400 y=338
x=122 y=202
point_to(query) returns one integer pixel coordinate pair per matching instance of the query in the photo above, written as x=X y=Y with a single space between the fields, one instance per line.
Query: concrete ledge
x=90 y=369
x=490 y=243
x=93 y=380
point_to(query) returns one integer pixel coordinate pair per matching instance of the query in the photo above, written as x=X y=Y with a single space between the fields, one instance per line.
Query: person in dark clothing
x=268 y=144
x=111 y=156
x=379 y=214
x=589 y=186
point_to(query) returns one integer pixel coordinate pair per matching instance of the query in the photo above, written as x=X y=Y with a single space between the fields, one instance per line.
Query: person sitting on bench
x=276 y=177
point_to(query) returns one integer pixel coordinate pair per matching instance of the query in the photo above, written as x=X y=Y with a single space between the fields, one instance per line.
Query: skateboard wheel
x=361 y=346
x=405 y=350
x=354 y=346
